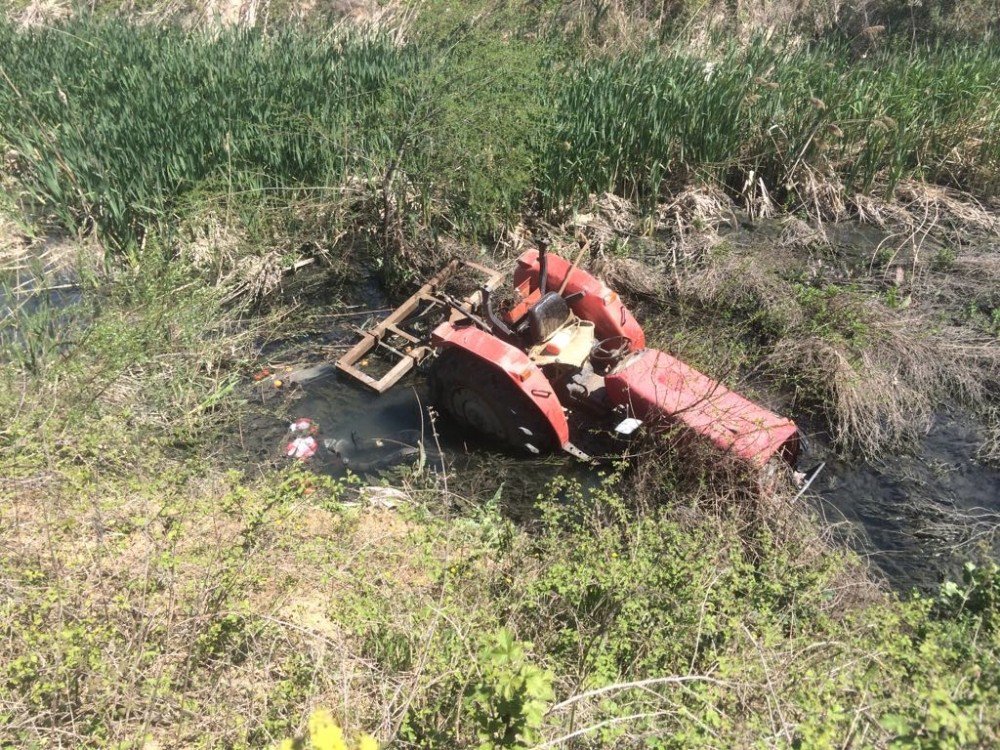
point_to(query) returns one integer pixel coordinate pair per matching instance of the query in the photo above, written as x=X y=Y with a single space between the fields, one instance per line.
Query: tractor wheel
x=479 y=397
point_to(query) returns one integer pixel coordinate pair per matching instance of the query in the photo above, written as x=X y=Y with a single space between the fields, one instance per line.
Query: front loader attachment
x=393 y=336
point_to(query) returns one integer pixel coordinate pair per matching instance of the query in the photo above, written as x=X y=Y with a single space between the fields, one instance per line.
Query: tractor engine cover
x=664 y=391
x=547 y=316
x=594 y=300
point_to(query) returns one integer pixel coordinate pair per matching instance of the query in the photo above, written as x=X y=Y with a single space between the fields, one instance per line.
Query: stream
x=920 y=515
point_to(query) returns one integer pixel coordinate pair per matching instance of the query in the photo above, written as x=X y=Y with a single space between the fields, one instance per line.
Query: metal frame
x=391 y=326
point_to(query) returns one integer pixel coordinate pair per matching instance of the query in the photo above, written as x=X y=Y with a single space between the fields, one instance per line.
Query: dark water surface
x=918 y=516
x=374 y=434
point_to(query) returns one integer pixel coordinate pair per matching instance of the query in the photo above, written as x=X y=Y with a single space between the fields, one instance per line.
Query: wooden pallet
x=412 y=350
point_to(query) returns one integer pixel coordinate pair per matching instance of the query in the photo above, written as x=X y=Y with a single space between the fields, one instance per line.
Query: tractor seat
x=547 y=316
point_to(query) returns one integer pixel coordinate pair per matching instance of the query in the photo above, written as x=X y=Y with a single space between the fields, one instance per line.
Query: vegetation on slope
x=109 y=125
x=151 y=594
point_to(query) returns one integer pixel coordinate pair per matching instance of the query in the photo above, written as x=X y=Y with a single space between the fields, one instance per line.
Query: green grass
x=633 y=124
x=153 y=594
x=114 y=123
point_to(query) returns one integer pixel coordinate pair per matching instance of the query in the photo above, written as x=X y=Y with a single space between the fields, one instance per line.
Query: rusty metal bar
x=390 y=326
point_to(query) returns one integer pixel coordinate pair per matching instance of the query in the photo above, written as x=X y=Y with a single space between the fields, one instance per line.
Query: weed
x=509 y=699
x=751 y=118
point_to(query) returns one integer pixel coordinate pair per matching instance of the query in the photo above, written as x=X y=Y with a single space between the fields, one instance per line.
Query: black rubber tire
x=480 y=398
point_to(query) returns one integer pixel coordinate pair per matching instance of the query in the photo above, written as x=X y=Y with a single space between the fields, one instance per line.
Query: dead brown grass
x=876 y=373
x=883 y=396
x=990 y=450
x=918 y=210
x=249 y=260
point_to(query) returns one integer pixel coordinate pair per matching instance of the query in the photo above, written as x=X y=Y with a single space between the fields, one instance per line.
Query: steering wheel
x=608 y=351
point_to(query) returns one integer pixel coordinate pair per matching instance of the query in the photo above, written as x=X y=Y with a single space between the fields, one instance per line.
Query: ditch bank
x=916 y=514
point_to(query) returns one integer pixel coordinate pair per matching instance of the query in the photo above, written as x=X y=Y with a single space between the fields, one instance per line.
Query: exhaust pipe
x=543 y=266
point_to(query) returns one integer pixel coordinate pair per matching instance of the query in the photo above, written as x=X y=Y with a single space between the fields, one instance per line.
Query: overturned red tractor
x=565 y=357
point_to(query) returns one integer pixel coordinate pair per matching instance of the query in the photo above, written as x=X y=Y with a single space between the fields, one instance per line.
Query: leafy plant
x=510 y=696
x=977 y=596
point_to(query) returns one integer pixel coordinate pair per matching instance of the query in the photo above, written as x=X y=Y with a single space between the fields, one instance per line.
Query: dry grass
x=163 y=586
x=876 y=373
x=247 y=257
x=632 y=249
x=12 y=245
x=884 y=396
x=210 y=14
x=917 y=211
x=990 y=451
x=632 y=277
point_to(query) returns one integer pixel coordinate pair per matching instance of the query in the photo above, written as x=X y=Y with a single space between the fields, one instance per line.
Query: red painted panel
x=599 y=304
x=655 y=385
x=524 y=373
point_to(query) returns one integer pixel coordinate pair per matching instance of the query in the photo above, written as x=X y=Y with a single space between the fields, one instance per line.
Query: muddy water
x=39 y=296
x=372 y=435
x=917 y=516
x=369 y=433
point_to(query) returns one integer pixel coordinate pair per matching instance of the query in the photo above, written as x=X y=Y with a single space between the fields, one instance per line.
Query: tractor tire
x=481 y=398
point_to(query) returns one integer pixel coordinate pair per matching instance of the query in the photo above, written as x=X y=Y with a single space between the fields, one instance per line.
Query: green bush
x=508 y=700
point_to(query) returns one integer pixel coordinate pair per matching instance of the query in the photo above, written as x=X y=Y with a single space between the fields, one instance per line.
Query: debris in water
x=307 y=374
x=303 y=444
x=303 y=425
x=366 y=455
x=302 y=448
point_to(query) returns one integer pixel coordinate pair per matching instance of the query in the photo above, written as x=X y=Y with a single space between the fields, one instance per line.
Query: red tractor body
x=663 y=390
x=567 y=348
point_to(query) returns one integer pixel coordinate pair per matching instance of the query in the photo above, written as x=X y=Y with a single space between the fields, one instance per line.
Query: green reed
x=112 y=124
x=636 y=123
x=115 y=121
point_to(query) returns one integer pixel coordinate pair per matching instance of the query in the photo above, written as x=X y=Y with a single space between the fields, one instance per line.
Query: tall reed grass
x=113 y=121
x=633 y=124
x=110 y=124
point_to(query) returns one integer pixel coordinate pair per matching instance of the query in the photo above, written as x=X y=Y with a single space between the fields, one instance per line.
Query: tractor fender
x=662 y=390
x=522 y=372
x=599 y=304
